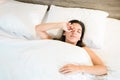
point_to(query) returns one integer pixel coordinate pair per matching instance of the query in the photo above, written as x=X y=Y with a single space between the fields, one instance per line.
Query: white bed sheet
x=111 y=47
x=40 y=60
x=110 y=53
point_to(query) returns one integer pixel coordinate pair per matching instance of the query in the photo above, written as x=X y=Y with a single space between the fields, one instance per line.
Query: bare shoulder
x=95 y=58
x=88 y=50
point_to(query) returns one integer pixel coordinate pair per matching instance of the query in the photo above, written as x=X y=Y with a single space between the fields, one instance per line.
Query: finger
x=65 y=71
x=62 y=69
x=66 y=28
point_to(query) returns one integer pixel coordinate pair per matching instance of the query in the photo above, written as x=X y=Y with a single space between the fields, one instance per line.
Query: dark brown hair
x=80 y=42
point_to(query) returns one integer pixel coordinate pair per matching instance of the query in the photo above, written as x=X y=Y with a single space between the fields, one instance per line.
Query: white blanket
x=40 y=60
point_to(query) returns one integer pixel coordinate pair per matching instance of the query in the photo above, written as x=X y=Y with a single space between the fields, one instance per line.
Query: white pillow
x=20 y=18
x=94 y=21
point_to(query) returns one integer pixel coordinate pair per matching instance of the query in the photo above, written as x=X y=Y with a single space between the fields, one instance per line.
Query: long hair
x=80 y=42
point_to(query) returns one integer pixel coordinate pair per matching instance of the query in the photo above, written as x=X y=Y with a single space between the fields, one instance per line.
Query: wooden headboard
x=110 y=6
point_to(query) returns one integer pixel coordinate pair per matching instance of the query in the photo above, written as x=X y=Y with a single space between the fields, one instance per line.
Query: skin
x=73 y=33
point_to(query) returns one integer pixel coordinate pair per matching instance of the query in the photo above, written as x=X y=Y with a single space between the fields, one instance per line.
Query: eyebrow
x=80 y=29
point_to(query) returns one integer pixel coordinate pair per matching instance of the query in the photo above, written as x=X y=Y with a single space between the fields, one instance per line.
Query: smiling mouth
x=73 y=36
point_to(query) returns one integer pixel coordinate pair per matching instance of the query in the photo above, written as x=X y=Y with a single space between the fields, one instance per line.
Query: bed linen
x=20 y=58
x=110 y=53
x=40 y=60
x=111 y=6
x=19 y=19
x=23 y=59
x=91 y=18
x=27 y=59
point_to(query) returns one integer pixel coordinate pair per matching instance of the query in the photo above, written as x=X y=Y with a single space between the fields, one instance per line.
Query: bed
x=24 y=56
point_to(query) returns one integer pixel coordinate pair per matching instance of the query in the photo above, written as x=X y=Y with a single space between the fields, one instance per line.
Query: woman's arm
x=98 y=67
x=42 y=28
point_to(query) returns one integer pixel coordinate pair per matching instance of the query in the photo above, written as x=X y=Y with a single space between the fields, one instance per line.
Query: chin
x=73 y=41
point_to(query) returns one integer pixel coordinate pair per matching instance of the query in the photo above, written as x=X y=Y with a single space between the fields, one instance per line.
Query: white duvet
x=40 y=60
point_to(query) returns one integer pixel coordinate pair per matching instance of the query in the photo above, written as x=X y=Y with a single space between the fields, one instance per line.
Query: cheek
x=67 y=36
x=67 y=33
x=79 y=36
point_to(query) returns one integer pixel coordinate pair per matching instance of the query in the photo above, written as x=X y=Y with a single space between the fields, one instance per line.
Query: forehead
x=77 y=26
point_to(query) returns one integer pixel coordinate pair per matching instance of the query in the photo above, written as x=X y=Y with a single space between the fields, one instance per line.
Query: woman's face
x=73 y=36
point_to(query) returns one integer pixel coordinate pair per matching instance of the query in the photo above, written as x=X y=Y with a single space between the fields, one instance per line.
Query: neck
x=73 y=43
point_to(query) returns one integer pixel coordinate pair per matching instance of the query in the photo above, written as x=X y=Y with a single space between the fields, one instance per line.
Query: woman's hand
x=68 y=27
x=69 y=68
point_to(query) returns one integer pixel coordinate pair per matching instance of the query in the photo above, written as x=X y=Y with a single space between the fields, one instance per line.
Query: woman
x=73 y=33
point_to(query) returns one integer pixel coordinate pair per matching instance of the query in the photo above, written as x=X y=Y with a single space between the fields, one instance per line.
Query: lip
x=73 y=36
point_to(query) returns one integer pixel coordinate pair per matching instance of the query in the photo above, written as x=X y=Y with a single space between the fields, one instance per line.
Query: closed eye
x=79 y=31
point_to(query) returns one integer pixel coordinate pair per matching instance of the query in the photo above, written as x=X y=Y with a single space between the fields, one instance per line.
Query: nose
x=74 y=32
